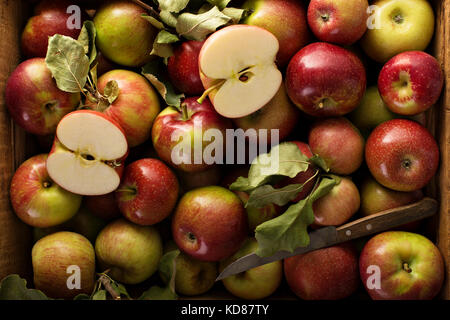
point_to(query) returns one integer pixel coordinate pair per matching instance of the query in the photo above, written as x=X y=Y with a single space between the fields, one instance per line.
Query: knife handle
x=387 y=219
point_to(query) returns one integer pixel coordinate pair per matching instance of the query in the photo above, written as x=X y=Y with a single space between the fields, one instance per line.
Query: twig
x=107 y=284
x=147 y=7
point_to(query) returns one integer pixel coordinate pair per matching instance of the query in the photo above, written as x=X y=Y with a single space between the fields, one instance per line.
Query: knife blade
x=329 y=236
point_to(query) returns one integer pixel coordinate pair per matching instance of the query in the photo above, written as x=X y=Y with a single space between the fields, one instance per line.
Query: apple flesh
x=135 y=108
x=90 y=163
x=341 y=22
x=210 y=223
x=325 y=80
x=411 y=82
x=238 y=70
x=285 y=19
x=51 y=258
x=148 y=192
x=131 y=252
x=402 y=155
x=33 y=99
x=411 y=266
x=339 y=143
x=254 y=284
x=36 y=199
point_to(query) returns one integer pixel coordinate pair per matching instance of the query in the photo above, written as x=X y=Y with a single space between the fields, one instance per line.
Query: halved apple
x=88 y=154
x=238 y=70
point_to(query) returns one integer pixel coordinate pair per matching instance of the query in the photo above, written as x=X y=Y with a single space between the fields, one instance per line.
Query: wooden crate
x=16 y=146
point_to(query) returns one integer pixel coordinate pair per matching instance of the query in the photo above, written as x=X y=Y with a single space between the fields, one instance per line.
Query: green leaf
x=93 y=74
x=172 y=5
x=87 y=38
x=289 y=231
x=221 y=4
x=120 y=289
x=198 y=26
x=235 y=14
x=154 y=22
x=158 y=293
x=111 y=91
x=13 y=287
x=82 y=296
x=99 y=295
x=264 y=195
x=162 y=46
x=67 y=60
x=319 y=162
x=156 y=72
x=169 y=18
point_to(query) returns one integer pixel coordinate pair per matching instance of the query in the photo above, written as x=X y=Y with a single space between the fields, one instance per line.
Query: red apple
x=402 y=155
x=148 y=192
x=411 y=82
x=323 y=79
x=194 y=180
x=339 y=143
x=183 y=70
x=324 y=274
x=50 y=18
x=33 y=99
x=184 y=129
x=103 y=206
x=338 y=206
x=398 y=265
x=210 y=223
x=341 y=22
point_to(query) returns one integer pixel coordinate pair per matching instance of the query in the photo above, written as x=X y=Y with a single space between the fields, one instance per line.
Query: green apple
x=254 y=284
x=397 y=26
x=130 y=252
x=57 y=258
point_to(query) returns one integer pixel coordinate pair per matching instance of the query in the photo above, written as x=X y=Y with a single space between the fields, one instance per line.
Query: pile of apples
x=107 y=195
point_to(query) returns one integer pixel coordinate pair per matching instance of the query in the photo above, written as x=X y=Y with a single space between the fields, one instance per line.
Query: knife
x=329 y=236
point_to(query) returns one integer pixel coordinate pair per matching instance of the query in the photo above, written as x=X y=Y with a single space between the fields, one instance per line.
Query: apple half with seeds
x=238 y=70
x=88 y=154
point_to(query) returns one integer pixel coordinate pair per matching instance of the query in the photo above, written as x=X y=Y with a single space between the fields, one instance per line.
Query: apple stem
x=106 y=282
x=406 y=267
x=184 y=112
x=208 y=91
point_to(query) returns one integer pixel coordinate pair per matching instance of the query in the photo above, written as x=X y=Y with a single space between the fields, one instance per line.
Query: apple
x=341 y=22
x=148 y=192
x=194 y=180
x=376 y=198
x=136 y=106
x=254 y=284
x=33 y=99
x=279 y=114
x=325 y=80
x=182 y=68
x=210 y=223
x=410 y=267
x=103 y=206
x=56 y=258
x=238 y=70
x=87 y=224
x=338 y=206
x=36 y=199
x=130 y=252
x=402 y=155
x=325 y=274
x=184 y=130
x=411 y=82
x=123 y=36
x=50 y=18
x=193 y=277
x=90 y=163
x=339 y=143
x=398 y=26
x=286 y=19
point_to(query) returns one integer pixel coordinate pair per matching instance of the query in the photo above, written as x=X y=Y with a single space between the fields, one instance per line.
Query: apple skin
x=131 y=252
x=339 y=143
x=53 y=254
x=325 y=80
x=36 y=199
x=148 y=192
x=341 y=22
x=338 y=206
x=286 y=19
x=210 y=223
x=50 y=18
x=193 y=180
x=279 y=114
x=254 y=284
x=411 y=266
x=135 y=108
x=182 y=68
x=413 y=31
x=104 y=206
x=411 y=82
x=402 y=155
x=33 y=99
x=123 y=36
x=172 y=121
x=324 y=274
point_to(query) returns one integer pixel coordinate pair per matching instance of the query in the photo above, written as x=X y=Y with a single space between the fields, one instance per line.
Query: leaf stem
x=106 y=282
x=147 y=7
